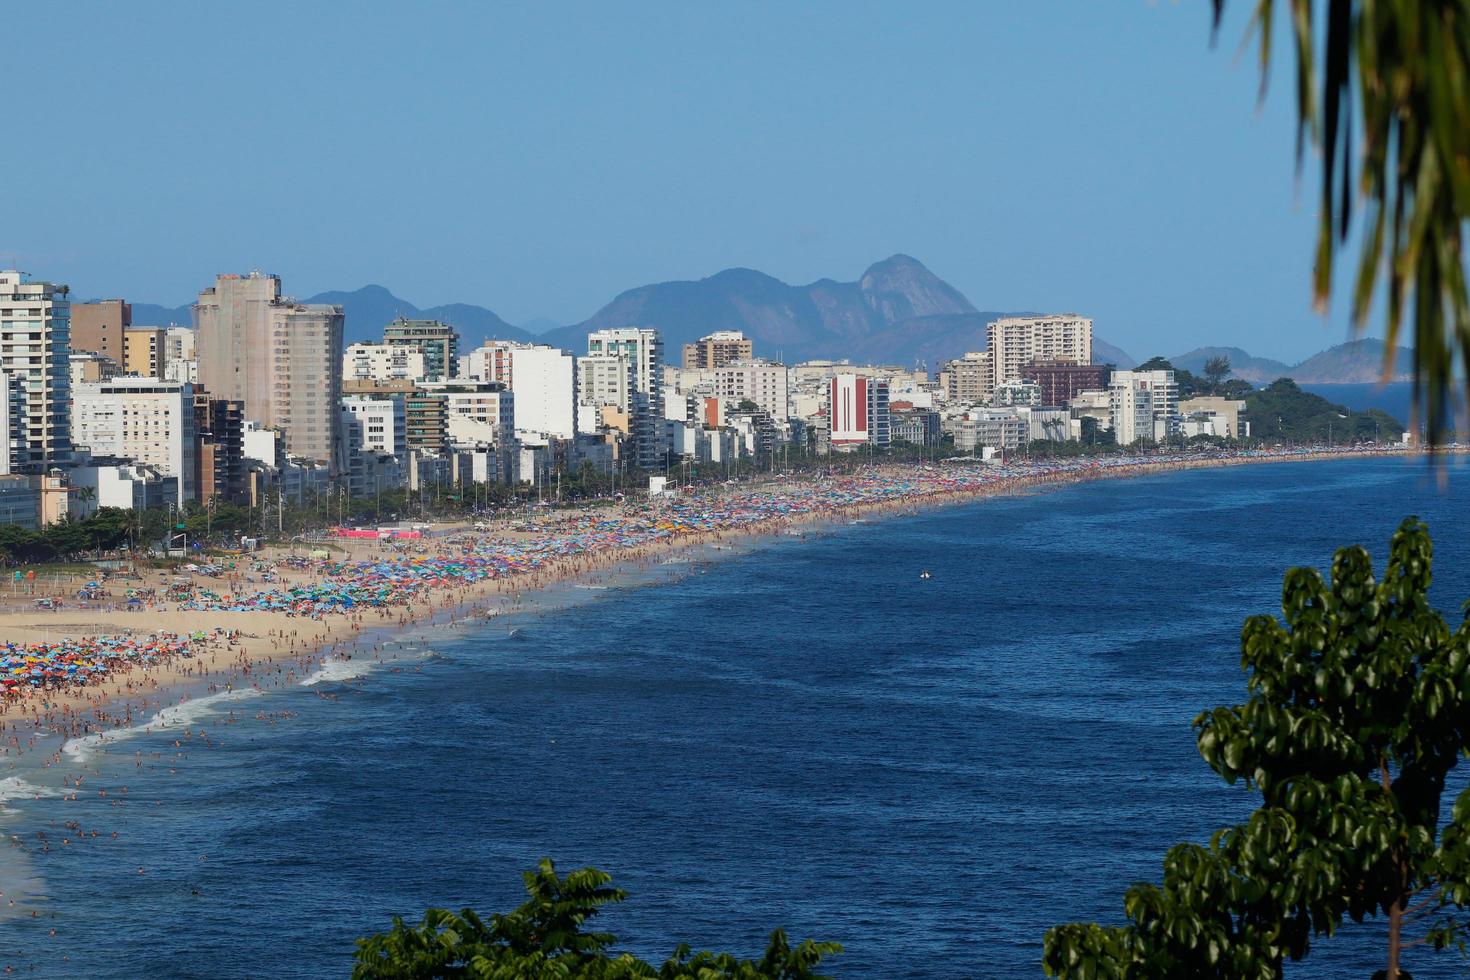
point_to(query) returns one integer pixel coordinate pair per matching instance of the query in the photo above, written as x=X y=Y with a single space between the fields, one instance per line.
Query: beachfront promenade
x=82 y=669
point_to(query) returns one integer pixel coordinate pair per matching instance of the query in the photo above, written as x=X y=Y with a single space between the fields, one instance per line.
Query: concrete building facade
x=145 y=351
x=970 y=379
x=1124 y=391
x=438 y=341
x=35 y=350
x=762 y=382
x=858 y=410
x=384 y=362
x=644 y=347
x=1061 y=381
x=1016 y=341
x=140 y=419
x=717 y=350
x=282 y=359
x=98 y=327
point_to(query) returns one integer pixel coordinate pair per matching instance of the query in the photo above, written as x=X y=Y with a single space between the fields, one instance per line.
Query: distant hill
x=1355 y=362
x=367 y=311
x=1244 y=366
x=896 y=312
x=371 y=308
x=151 y=315
x=1105 y=353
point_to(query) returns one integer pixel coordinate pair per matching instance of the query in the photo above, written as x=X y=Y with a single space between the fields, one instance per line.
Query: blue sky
x=537 y=158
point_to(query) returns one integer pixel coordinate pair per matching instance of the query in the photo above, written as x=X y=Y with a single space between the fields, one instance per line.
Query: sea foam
x=180 y=715
x=337 y=670
x=16 y=788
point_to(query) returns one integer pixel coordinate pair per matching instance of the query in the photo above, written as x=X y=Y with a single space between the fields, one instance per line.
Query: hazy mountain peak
x=901 y=287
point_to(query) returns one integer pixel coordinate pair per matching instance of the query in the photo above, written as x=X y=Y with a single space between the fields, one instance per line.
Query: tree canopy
x=1358 y=709
x=545 y=937
x=1281 y=410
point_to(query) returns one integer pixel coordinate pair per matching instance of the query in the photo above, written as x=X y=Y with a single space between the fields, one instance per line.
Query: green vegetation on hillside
x=1283 y=412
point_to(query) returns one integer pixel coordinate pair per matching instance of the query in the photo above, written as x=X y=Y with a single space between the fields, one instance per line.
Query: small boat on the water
x=925 y=574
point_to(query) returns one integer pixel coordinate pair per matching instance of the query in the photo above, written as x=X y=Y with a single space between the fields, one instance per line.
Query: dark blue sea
x=804 y=733
x=1395 y=398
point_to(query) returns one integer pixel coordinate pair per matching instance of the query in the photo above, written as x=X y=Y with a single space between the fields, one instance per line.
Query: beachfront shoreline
x=276 y=650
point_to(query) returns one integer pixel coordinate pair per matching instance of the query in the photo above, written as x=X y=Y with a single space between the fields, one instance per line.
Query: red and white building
x=858 y=410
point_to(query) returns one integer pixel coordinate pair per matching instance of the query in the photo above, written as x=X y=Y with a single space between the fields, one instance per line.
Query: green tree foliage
x=1358 y=708
x=1217 y=369
x=107 y=528
x=1281 y=410
x=1189 y=385
x=1406 y=63
x=545 y=937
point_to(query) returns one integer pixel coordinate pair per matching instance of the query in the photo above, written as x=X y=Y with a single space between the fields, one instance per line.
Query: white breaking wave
x=180 y=715
x=338 y=670
x=16 y=788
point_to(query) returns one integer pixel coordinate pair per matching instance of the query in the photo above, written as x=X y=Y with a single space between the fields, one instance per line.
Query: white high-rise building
x=1016 y=341
x=858 y=411
x=179 y=363
x=1131 y=394
x=142 y=419
x=35 y=350
x=178 y=342
x=606 y=379
x=543 y=378
x=380 y=422
x=762 y=382
x=644 y=348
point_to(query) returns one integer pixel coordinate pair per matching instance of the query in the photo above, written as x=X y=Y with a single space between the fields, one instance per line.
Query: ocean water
x=800 y=733
x=1395 y=398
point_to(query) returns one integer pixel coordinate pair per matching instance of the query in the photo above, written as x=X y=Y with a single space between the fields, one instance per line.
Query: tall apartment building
x=606 y=379
x=717 y=350
x=219 y=465
x=12 y=425
x=1016 y=341
x=281 y=358
x=762 y=382
x=971 y=378
x=491 y=361
x=644 y=347
x=179 y=363
x=98 y=327
x=145 y=351
x=438 y=341
x=1143 y=405
x=545 y=387
x=142 y=419
x=35 y=350
x=381 y=421
x=857 y=410
x=545 y=381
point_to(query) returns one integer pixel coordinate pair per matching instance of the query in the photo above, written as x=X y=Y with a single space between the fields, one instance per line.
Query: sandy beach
x=235 y=646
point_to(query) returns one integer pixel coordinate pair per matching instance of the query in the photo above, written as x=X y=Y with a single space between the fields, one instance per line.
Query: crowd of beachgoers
x=400 y=581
